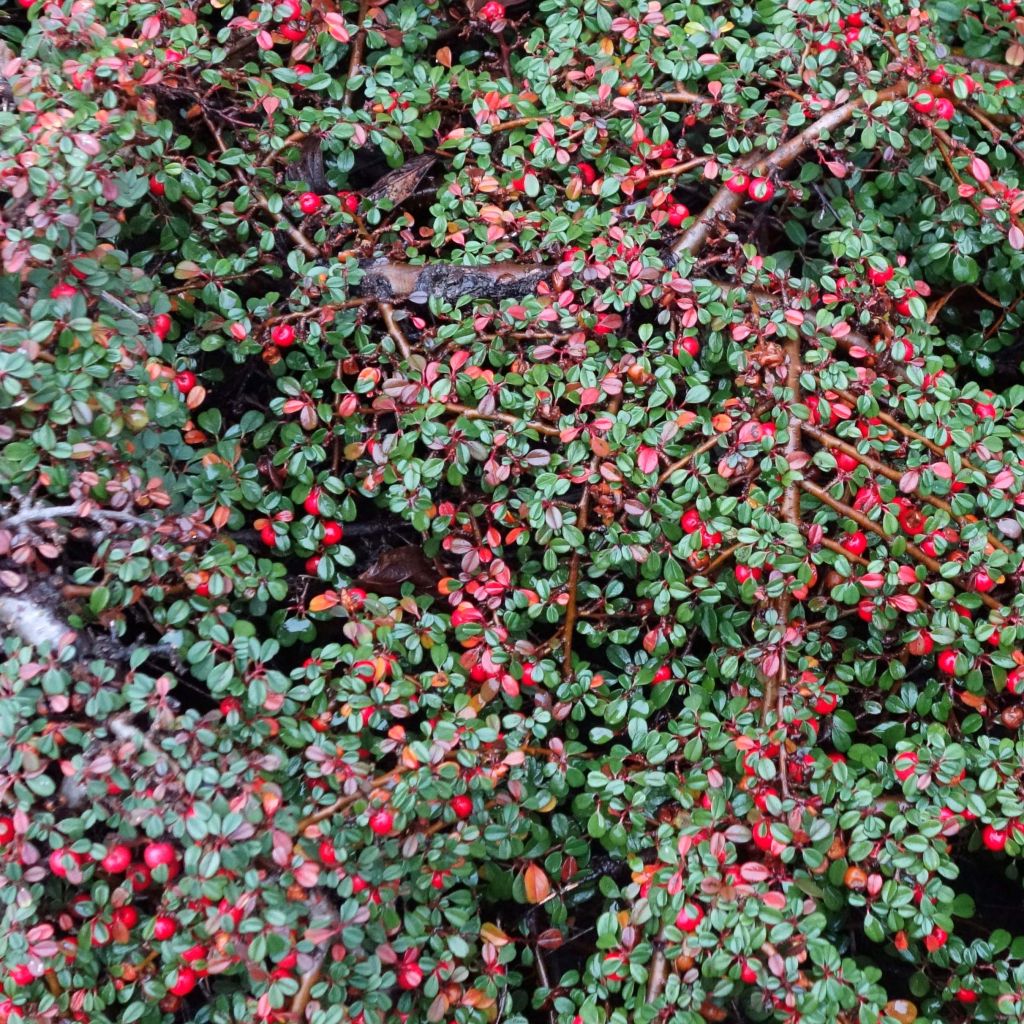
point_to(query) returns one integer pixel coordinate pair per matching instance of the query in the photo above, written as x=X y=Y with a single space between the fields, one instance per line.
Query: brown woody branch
x=387 y=312
x=356 y=56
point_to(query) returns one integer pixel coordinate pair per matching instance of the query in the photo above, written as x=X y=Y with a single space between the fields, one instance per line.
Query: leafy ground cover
x=511 y=513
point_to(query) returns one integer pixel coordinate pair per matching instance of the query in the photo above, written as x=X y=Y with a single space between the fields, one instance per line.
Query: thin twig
x=356 y=56
x=387 y=312
x=301 y=999
x=43 y=514
x=503 y=417
x=659 y=970
x=342 y=802
x=112 y=300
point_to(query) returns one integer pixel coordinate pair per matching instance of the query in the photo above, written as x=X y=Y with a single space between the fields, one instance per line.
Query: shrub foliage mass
x=511 y=513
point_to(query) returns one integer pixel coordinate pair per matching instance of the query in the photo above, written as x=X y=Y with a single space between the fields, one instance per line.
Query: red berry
x=410 y=976
x=313 y=565
x=162 y=325
x=912 y=520
x=587 y=173
x=462 y=805
x=923 y=101
x=354 y=598
x=689 y=345
x=117 y=860
x=947 y=662
x=856 y=543
x=328 y=855
x=59 y=861
x=903 y=306
x=937 y=939
x=677 y=213
x=993 y=838
x=333 y=532
x=310 y=202
x=161 y=855
x=662 y=674
x=982 y=582
x=921 y=645
x=283 y=335
x=1015 y=682
x=709 y=538
x=230 y=706
x=944 y=109
x=291 y=9
x=689 y=918
x=268 y=536
x=6 y=830
x=293 y=33
x=349 y=201
x=185 y=381
x=492 y=11
x=738 y=182
x=690 y=521
x=63 y=291
x=381 y=822
x=880 y=277
x=128 y=916
x=746 y=572
x=748 y=975
x=904 y=765
x=184 y=983
x=761 y=190
x=966 y=995
x=156 y=187
x=826 y=703
x=164 y=927
x=21 y=975
x=312 y=502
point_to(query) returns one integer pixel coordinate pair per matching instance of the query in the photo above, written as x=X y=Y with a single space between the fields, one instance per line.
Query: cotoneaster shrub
x=511 y=513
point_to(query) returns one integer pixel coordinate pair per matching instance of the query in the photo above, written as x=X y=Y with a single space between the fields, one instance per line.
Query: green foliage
x=670 y=664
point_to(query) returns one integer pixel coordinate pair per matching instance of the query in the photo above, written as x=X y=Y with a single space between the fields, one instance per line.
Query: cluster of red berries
x=761 y=190
x=293 y=28
x=691 y=522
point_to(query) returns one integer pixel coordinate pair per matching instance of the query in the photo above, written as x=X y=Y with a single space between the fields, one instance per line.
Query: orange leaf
x=536 y=884
x=328 y=599
x=494 y=935
x=722 y=423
